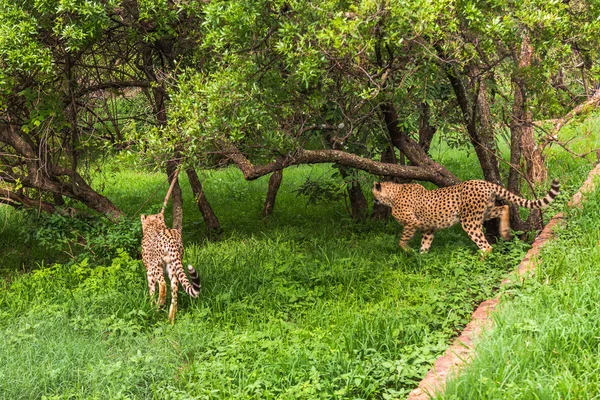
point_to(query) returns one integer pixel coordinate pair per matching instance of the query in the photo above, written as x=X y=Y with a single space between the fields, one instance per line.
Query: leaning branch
x=14 y=199
x=585 y=107
x=302 y=156
x=173 y=181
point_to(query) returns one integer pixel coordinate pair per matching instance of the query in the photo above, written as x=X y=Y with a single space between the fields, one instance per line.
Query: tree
x=267 y=84
x=285 y=83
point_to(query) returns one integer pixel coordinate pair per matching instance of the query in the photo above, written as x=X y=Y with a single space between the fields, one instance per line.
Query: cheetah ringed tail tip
x=195 y=282
x=552 y=193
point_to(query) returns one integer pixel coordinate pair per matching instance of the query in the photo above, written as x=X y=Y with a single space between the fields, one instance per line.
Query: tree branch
x=593 y=102
x=112 y=85
x=302 y=156
x=15 y=199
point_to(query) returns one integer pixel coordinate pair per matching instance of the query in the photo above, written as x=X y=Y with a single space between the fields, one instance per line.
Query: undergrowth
x=304 y=304
x=547 y=334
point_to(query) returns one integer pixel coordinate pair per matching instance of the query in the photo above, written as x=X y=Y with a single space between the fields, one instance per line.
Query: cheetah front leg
x=426 y=241
x=407 y=234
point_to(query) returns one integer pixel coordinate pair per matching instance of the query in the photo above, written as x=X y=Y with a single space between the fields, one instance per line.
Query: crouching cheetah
x=470 y=202
x=163 y=246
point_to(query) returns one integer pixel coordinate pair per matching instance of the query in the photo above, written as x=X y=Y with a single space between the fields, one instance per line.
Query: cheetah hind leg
x=162 y=291
x=426 y=241
x=152 y=280
x=505 y=223
x=475 y=232
x=503 y=213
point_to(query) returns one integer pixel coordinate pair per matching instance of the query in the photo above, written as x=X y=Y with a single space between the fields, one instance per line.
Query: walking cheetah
x=470 y=202
x=163 y=246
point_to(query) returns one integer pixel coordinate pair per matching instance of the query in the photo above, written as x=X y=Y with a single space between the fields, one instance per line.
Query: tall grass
x=546 y=337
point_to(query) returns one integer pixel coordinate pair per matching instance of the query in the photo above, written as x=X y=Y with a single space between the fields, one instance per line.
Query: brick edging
x=461 y=350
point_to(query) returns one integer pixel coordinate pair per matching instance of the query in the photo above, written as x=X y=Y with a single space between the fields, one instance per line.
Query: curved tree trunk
x=273 y=188
x=210 y=218
x=40 y=173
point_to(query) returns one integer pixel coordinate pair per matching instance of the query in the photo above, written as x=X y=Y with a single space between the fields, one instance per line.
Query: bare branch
x=112 y=85
x=587 y=106
x=302 y=156
x=173 y=181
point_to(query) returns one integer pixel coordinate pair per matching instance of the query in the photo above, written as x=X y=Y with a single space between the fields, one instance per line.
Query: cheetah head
x=152 y=222
x=383 y=193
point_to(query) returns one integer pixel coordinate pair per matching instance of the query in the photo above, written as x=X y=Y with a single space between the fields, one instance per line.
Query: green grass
x=305 y=304
x=546 y=337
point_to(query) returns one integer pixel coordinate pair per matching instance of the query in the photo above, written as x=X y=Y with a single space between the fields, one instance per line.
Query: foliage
x=272 y=69
x=319 y=191
x=305 y=304
x=81 y=237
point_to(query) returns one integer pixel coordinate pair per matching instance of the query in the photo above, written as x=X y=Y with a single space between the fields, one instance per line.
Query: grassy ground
x=307 y=304
x=546 y=339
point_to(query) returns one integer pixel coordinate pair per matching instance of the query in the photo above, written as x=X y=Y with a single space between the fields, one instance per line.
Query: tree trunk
x=415 y=153
x=358 y=202
x=273 y=188
x=176 y=198
x=160 y=111
x=523 y=141
x=210 y=218
x=379 y=210
x=535 y=167
x=426 y=130
x=477 y=122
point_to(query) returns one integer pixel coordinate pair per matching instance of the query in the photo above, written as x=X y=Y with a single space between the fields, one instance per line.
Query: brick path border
x=461 y=350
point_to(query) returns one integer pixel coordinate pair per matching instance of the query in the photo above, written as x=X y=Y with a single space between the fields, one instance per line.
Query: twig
x=174 y=179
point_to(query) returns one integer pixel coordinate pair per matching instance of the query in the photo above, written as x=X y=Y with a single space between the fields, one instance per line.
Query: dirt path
x=461 y=351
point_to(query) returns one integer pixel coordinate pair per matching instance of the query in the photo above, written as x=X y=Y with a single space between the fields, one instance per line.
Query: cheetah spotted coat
x=163 y=246
x=469 y=202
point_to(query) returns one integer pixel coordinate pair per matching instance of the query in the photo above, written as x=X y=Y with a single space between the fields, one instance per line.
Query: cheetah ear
x=142 y=217
x=378 y=186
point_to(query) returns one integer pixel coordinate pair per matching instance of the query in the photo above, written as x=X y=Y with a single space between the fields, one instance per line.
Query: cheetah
x=469 y=202
x=162 y=246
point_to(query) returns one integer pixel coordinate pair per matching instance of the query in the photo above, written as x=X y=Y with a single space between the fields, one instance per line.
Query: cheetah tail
x=193 y=288
x=513 y=198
